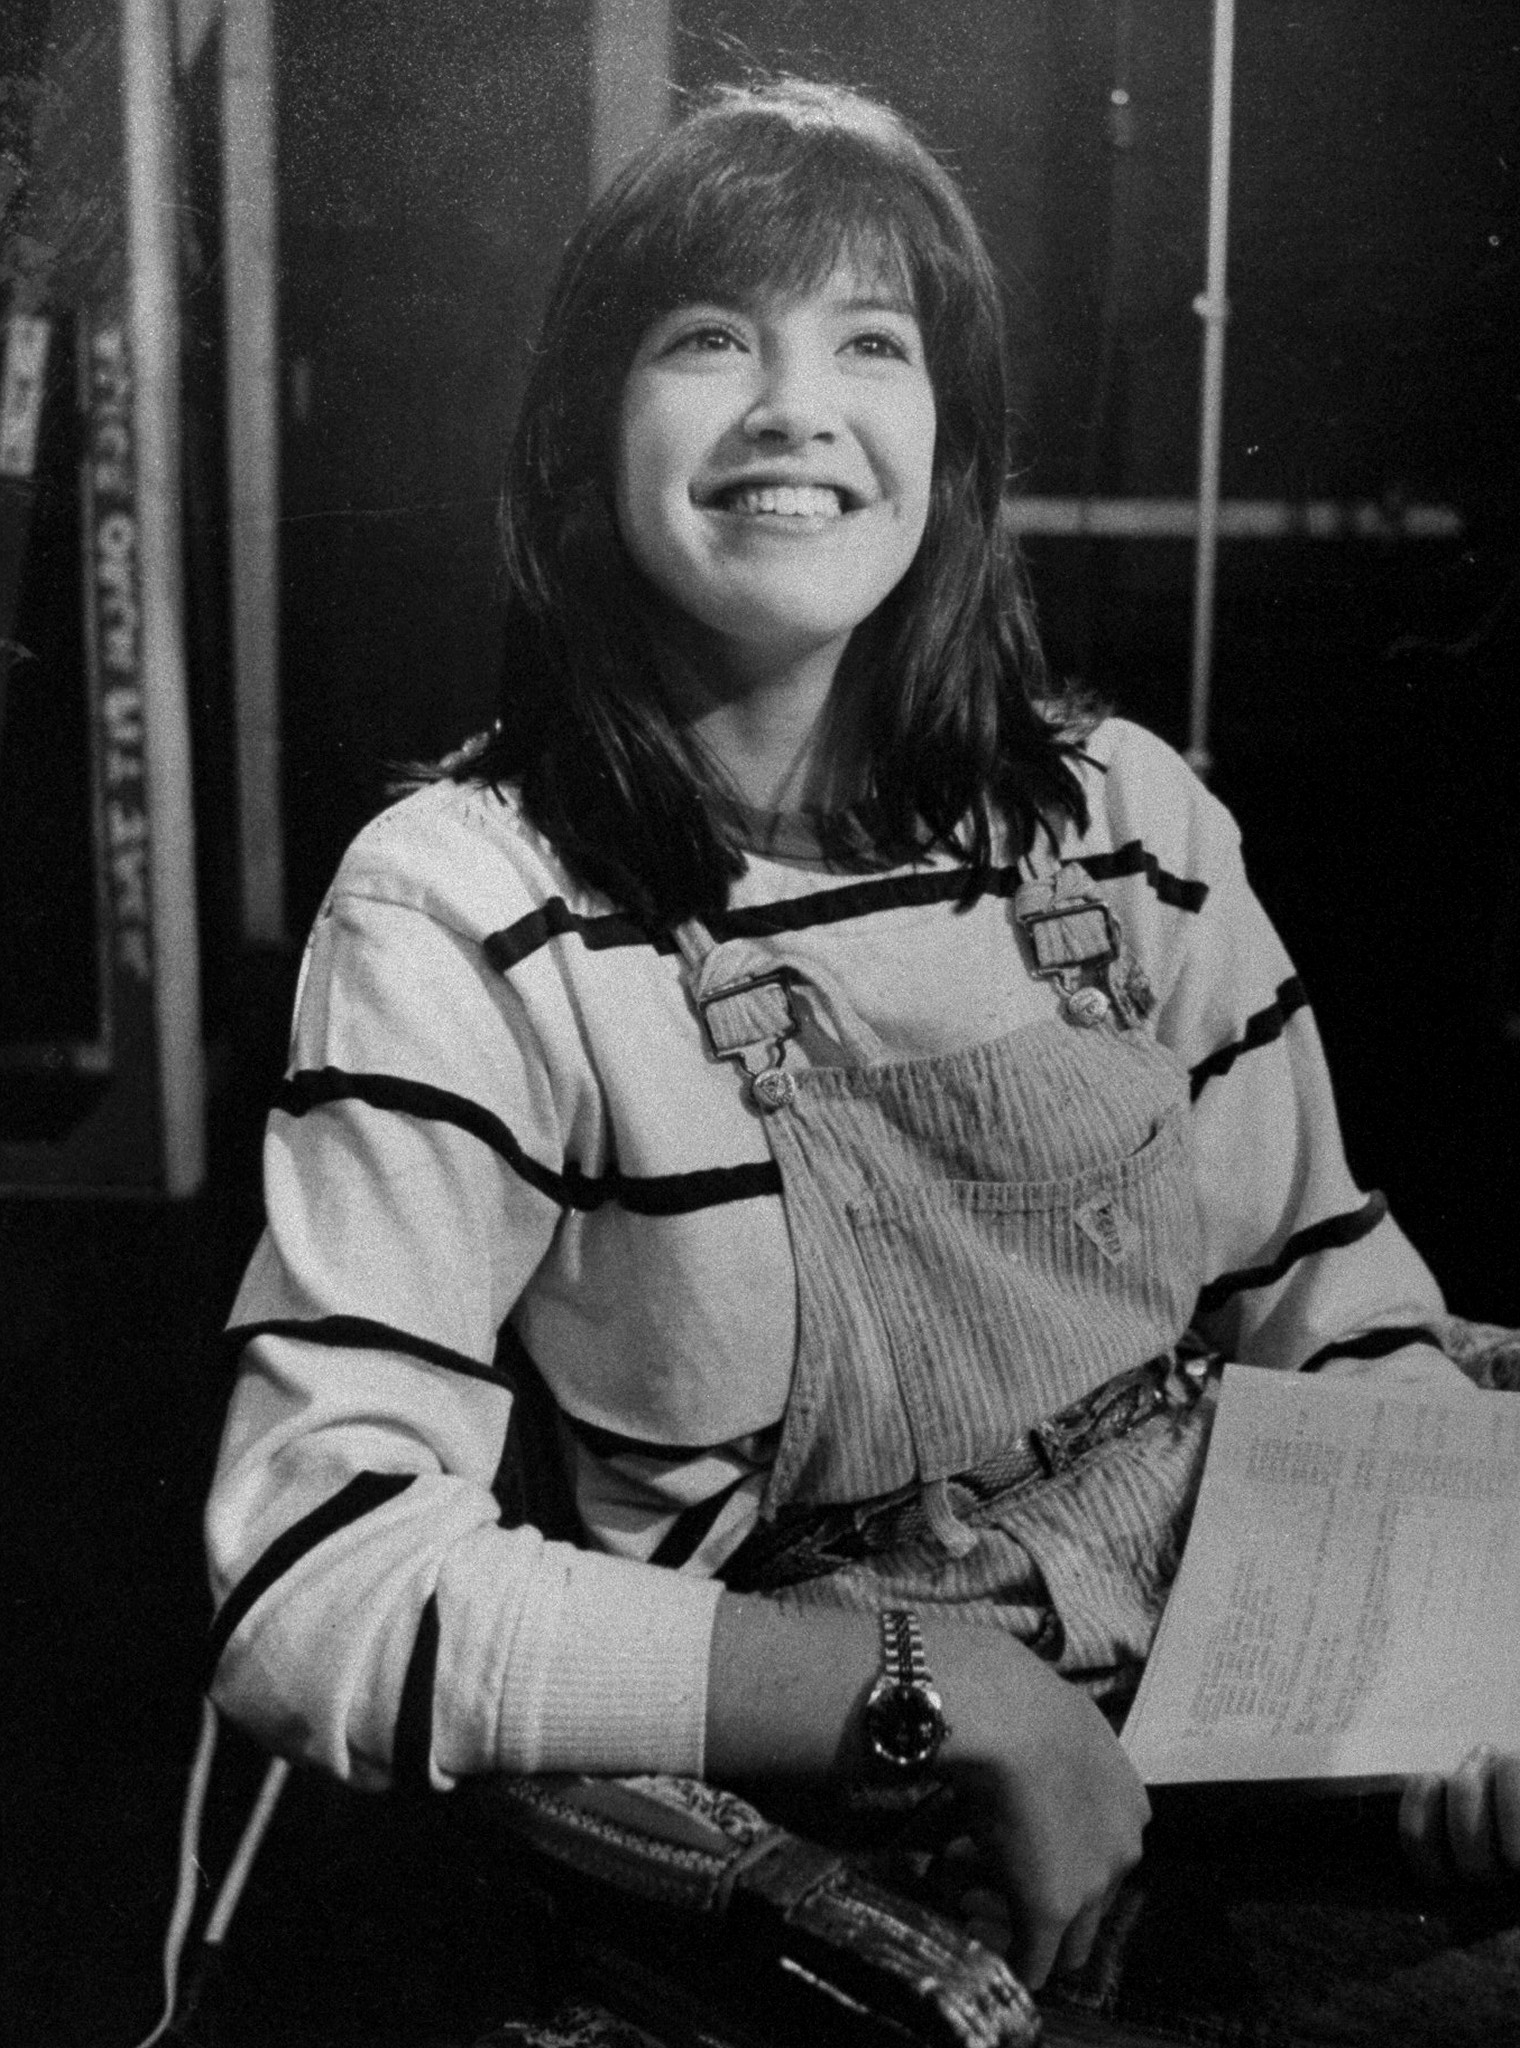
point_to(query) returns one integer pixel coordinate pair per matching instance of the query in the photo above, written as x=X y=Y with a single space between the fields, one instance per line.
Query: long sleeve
x=375 y=1614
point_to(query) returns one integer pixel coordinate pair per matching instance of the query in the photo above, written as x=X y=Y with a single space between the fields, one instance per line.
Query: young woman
x=762 y=1122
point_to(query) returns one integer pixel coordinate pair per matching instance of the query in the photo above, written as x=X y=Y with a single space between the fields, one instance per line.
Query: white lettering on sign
x=117 y=593
x=121 y=709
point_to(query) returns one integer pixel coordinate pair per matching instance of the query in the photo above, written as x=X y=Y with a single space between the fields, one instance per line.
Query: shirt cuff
x=623 y=1685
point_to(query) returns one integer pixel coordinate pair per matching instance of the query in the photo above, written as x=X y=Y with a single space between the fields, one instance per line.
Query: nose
x=794 y=403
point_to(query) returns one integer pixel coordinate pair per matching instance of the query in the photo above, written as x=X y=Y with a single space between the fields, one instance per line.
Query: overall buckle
x=751 y=1021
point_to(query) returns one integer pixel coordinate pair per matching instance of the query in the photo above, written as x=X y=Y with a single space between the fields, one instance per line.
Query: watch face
x=905 y=1725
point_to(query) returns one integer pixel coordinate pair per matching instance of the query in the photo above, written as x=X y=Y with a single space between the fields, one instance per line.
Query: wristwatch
x=903 y=1722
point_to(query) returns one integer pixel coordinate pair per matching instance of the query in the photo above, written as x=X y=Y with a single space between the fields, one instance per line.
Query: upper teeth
x=791 y=501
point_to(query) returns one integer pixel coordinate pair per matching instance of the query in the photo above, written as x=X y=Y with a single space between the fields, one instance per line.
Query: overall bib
x=988 y=1243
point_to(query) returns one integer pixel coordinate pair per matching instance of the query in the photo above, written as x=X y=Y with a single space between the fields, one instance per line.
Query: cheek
x=918 y=445
x=654 y=462
x=624 y=469
x=637 y=497
x=922 y=496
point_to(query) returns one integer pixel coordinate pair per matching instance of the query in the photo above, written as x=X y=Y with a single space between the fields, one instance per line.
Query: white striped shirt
x=502 y=1133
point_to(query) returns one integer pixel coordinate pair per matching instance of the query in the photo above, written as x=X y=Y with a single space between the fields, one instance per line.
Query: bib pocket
x=1042 y=1288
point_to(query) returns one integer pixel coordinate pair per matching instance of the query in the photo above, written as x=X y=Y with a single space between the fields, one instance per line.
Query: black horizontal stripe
x=314 y=1087
x=678 y=1194
x=863 y=899
x=609 y=930
x=365 y=1492
x=611 y=1443
x=1329 y=1235
x=359 y=1333
x=656 y=1194
x=412 y=1744
x=509 y=947
x=1372 y=1344
x=1135 y=858
x=1261 y=1028
x=515 y=942
x=690 y=1528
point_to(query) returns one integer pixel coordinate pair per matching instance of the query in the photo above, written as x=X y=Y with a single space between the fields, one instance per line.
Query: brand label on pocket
x=1108 y=1228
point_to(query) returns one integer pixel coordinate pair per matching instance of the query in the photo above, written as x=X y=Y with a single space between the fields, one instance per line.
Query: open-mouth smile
x=782 y=501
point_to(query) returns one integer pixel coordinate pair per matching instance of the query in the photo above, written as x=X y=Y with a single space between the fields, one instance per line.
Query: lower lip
x=782 y=523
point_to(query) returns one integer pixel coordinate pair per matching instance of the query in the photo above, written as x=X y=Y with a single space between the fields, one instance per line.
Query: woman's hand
x=1465 y=1826
x=1041 y=1782
x=1045 y=1790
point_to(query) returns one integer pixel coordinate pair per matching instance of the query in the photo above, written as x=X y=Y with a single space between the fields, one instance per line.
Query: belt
x=805 y=1541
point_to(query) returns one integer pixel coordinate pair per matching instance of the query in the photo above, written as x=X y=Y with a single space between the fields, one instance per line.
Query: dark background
x=433 y=159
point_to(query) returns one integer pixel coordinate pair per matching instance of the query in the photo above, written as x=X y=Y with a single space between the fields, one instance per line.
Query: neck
x=776 y=730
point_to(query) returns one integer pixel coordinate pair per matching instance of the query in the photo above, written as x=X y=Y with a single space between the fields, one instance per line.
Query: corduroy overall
x=981 y=1238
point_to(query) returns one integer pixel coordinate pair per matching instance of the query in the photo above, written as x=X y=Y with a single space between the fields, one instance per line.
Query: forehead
x=847 y=288
x=851 y=261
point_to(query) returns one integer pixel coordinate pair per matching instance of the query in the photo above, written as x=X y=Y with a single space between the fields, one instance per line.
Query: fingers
x=1059 y=1939
x=1507 y=1811
x=1466 y=1826
x=1059 y=1944
x=1470 y=1816
x=1034 y=1948
x=1077 y=1942
x=1422 y=1827
x=967 y=1887
x=1049 y=1795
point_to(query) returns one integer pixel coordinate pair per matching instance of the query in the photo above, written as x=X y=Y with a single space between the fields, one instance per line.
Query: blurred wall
x=432 y=162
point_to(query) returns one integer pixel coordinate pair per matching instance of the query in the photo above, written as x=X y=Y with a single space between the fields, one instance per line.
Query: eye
x=881 y=344
x=707 y=337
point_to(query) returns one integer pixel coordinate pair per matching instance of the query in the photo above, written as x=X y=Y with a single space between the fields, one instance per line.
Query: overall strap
x=744 y=998
x=744 y=990
x=743 y=994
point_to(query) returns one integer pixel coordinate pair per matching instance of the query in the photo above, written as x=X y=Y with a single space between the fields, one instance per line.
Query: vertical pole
x=153 y=324
x=630 y=81
x=1213 y=309
x=249 y=225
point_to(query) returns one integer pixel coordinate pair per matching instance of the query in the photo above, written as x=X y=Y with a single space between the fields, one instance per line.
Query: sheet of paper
x=1349 y=1600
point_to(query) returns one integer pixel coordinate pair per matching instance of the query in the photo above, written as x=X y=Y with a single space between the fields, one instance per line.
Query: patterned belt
x=805 y=1541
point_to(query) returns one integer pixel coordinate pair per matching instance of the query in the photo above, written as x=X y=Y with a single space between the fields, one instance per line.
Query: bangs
x=777 y=210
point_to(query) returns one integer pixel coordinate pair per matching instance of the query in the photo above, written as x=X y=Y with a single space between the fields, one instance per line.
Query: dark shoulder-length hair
x=765 y=187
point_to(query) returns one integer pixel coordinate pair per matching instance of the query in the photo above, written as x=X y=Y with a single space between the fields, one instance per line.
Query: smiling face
x=774 y=465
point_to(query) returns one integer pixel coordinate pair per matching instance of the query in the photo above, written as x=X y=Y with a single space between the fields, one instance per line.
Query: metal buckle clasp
x=1081 y=932
x=751 y=1021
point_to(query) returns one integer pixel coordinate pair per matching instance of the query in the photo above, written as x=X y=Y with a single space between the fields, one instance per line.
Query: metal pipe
x=1235 y=519
x=249 y=241
x=153 y=323
x=1213 y=309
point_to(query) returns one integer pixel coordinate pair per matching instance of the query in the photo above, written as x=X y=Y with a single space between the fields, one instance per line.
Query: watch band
x=902 y=1647
x=903 y=1721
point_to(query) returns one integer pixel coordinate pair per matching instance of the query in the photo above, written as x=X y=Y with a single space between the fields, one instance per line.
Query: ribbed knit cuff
x=624 y=1670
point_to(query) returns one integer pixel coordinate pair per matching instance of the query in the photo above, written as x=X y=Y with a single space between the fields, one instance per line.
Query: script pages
x=1348 y=1605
